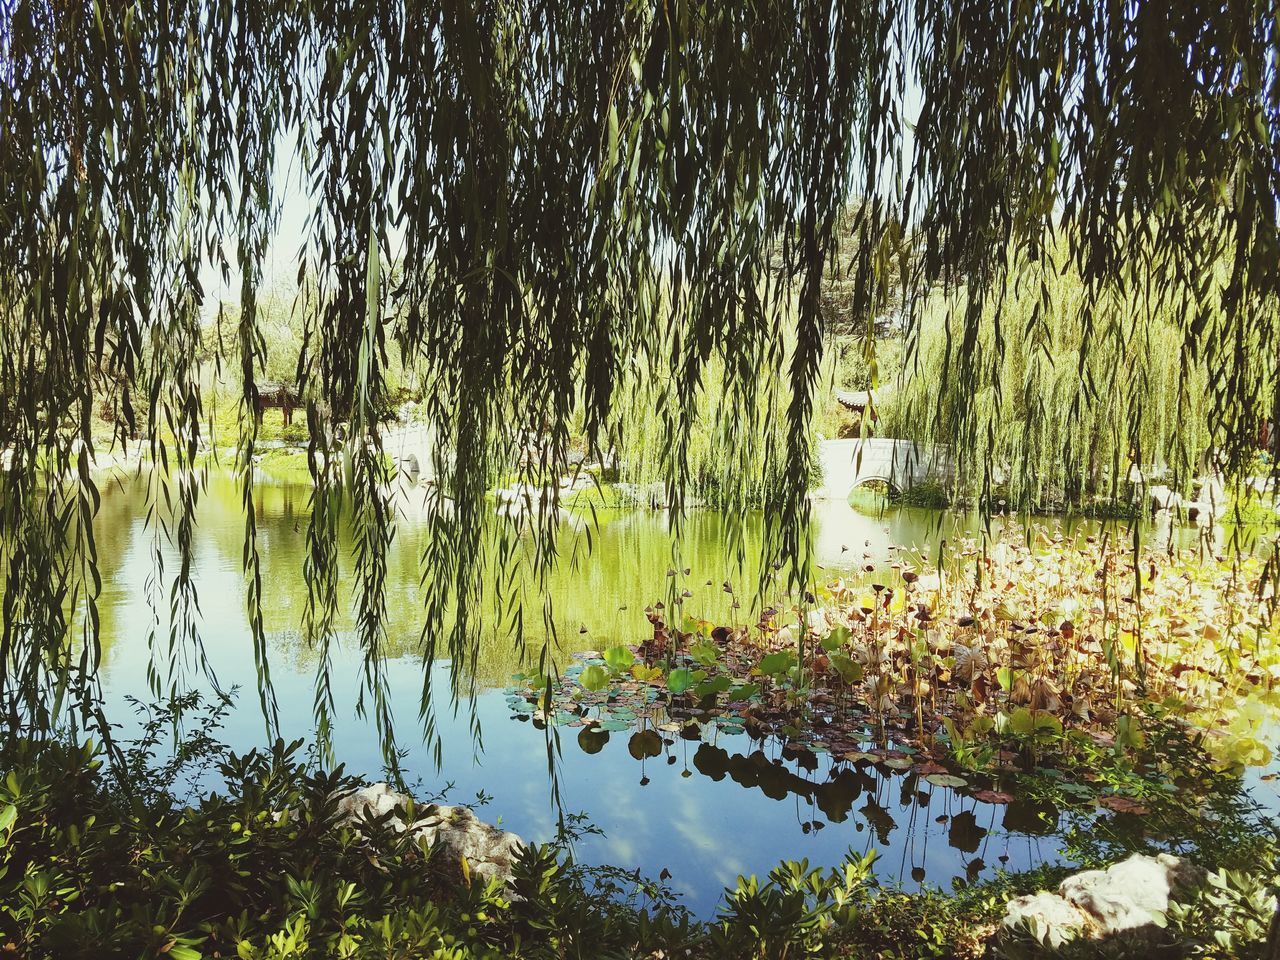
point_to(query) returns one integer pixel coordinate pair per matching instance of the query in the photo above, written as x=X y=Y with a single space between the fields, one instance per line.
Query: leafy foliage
x=147 y=859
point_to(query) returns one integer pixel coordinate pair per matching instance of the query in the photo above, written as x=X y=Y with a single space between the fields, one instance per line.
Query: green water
x=607 y=573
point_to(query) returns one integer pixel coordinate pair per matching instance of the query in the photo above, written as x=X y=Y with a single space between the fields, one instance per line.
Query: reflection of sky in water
x=707 y=813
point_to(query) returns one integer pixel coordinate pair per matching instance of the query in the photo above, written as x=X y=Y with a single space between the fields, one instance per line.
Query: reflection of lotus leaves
x=964 y=833
x=592 y=739
x=711 y=762
x=1024 y=816
x=773 y=780
x=880 y=820
x=644 y=744
x=908 y=795
x=746 y=773
x=836 y=796
x=801 y=754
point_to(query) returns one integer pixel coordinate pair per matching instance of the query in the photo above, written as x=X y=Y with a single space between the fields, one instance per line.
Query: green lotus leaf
x=777 y=664
x=594 y=678
x=681 y=679
x=704 y=653
x=837 y=638
x=619 y=658
x=709 y=688
x=850 y=671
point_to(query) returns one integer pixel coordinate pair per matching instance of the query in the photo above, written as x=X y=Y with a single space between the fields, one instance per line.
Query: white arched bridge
x=410 y=446
x=899 y=464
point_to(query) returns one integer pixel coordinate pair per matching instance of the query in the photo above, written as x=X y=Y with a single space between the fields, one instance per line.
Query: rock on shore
x=1127 y=899
x=489 y=852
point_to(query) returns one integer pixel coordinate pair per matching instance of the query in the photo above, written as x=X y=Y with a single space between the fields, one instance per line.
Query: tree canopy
x=534 y=200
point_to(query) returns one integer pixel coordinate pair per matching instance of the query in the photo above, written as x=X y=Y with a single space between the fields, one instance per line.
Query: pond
x=703 y=812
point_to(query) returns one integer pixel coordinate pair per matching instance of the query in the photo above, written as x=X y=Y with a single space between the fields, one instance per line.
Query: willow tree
x=532 y=199
x=1054 y=435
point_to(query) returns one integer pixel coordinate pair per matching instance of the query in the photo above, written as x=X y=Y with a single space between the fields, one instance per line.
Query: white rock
x=1046 y=916
x=489 y=852
x=1124 y=900
x=1127 y=895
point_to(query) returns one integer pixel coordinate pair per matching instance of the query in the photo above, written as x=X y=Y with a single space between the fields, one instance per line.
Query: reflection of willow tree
x=603 y=579
x=601 y=585
x=544 y=196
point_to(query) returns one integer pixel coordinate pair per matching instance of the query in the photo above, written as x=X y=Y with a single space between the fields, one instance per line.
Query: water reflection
x=704 y=809
x=871 y=806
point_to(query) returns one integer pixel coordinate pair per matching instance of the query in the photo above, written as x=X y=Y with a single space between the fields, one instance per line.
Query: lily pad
x=993 y=796
x=857 y=756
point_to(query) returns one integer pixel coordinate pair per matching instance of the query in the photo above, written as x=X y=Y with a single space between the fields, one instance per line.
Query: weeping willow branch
x=533 y=202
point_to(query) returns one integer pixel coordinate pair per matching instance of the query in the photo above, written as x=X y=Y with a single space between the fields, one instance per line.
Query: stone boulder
x=1125 y=900
x=488 y=851
x=1046 y=917
x=1128 y=895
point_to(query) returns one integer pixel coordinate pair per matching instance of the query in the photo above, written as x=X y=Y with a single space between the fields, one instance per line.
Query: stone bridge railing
x=901 y=464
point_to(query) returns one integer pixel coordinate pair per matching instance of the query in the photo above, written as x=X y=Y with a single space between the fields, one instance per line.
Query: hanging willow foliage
x=535 y=200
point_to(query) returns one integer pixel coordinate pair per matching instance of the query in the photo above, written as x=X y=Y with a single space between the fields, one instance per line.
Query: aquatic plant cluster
x=1044 y=654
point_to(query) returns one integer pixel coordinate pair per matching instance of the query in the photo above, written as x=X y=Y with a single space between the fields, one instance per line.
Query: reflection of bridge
x=900 y=464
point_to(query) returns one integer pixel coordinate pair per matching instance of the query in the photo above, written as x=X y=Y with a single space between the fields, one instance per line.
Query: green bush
x=106 y=860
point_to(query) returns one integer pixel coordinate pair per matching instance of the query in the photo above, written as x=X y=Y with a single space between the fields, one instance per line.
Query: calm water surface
x=706 y=812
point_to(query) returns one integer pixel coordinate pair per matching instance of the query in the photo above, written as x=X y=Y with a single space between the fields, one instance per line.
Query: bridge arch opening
x=881 y=485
